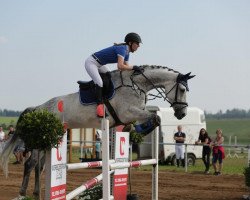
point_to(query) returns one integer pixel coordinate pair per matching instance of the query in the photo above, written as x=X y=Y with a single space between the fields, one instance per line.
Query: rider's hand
x=136 y=68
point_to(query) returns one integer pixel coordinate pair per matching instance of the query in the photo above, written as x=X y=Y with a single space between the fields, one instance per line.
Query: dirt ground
x=172 y=185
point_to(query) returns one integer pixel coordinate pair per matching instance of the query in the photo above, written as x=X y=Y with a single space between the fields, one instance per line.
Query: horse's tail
x=10 y=144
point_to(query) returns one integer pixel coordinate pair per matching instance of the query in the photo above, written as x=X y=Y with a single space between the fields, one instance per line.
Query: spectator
x=98 y=148
x=19 y=151
x=11 y=131
x=2 y=139
x=218 y=152
x=179 y=138
x=2 y=134
x=206 y=150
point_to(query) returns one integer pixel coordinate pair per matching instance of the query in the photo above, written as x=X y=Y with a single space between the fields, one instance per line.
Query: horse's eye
x=182 y=88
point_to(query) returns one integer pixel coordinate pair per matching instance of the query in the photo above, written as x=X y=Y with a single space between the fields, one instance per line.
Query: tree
x=40 y=130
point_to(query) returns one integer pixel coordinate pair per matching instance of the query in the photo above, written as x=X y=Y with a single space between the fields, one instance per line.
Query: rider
x=118 y=53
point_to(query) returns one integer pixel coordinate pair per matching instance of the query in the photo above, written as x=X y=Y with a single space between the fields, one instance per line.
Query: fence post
x=105 y=160
x=186 y=159
x=248 y=164
x=155 y=168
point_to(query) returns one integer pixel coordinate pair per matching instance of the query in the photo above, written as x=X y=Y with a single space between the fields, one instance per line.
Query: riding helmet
x=132 y=37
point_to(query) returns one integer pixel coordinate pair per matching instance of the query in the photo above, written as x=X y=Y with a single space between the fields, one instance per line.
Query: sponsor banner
x=120 y=186
x=58 y=192
x=121 y=175
x=58 y=170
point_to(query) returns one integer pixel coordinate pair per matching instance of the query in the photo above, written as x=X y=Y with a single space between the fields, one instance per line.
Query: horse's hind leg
x=37 y=171
x=29 y=165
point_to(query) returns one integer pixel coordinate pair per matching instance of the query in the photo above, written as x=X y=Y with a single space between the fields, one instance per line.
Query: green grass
x=8 y=121
x=230 y=166
x=231 y=127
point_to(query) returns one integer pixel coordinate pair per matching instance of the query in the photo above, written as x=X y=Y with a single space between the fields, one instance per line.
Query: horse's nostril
x=183 y=115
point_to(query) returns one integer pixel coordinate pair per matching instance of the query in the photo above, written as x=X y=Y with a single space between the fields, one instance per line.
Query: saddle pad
x=88 y=97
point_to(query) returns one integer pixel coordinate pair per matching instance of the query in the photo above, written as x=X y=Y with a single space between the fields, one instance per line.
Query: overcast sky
x=43 y=45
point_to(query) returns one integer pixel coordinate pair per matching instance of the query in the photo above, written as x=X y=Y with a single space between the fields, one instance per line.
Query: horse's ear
x=185 y=77
x=188 y=76
x=192 y=76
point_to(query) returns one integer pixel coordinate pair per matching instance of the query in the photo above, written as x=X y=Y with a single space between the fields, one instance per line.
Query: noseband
x=176 y=102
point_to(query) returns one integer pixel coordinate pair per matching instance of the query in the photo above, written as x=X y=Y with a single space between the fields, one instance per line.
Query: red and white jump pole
x=86 y=165
x=138 y=163
x=56 y=166
x=121 y=165
x=89 y=184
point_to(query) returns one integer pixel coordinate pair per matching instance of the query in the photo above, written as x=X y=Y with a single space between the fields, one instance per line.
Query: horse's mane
x=151 y=67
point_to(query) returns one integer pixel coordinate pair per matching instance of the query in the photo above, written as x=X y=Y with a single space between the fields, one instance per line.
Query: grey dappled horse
x=128 y=104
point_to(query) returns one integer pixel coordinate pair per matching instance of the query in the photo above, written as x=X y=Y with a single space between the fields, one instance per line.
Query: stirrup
x=100 y=110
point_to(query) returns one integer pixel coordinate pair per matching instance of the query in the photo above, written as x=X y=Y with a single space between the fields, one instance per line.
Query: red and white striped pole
x=89 y=184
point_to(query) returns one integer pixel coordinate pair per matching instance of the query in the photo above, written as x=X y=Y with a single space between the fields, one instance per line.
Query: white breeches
x=94 y=69
x=179 y=151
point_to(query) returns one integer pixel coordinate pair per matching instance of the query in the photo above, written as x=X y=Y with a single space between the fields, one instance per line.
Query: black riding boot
x=99 y=97
x=183 y=162
x=178 y=162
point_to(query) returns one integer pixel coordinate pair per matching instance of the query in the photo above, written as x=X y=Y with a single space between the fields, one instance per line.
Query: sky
x=43 y=45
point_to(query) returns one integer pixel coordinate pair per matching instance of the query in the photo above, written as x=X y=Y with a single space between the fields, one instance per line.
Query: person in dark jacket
x=206 y=150
x=179 y=138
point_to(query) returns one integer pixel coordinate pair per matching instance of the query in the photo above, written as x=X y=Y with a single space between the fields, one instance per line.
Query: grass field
x=239 y=128
x=230 y=127
x=8 y=120
x=231 y=165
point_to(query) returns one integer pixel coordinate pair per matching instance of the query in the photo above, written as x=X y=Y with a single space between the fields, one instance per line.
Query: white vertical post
x=155 y=154
x=105 y=160
x=81 y=149
x=186 y=159
x=248 y=164
x=229 y=150
x=235 y=146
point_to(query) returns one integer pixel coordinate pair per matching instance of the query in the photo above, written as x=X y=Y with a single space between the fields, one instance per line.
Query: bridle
x=160 y=90
x=139 y=91
x=176 y=102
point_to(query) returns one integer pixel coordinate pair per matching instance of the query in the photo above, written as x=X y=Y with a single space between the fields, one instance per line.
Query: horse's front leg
x=38 y=172
x=29 y=165
x=146 y=121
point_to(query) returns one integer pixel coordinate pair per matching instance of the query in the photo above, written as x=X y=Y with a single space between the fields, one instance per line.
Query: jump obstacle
x=56 y=166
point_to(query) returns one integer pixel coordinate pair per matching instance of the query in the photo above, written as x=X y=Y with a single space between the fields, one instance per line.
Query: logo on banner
x=58 y=152
x=121 y=175
x=122 y=146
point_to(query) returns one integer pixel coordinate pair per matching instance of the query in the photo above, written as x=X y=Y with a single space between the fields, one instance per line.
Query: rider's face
x=135 y=46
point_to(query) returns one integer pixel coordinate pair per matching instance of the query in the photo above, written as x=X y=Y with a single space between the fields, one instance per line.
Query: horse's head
x=176 y=95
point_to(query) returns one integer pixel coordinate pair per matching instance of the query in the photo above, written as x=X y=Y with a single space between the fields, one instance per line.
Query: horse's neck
x=121 y=78
x=158 y=76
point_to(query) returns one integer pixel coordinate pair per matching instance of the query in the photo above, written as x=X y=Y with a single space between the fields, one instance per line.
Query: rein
x=136 y=88
x=161 y=91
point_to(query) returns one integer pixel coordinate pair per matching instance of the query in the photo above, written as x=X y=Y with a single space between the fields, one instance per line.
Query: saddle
x=87 y=94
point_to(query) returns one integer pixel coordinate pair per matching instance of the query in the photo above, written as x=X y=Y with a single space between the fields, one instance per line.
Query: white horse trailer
x=191 y=123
